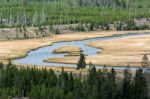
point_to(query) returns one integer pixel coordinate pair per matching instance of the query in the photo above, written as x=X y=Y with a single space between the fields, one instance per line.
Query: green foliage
x=1 y=65
x=140 y=86
x=81 y=62
x=58 y=12
x=127 y=85
x=46 y=84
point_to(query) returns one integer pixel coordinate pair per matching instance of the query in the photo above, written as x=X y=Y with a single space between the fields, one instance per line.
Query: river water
x=37 y=56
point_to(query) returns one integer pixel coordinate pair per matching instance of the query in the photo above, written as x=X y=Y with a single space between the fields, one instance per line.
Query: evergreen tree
x=95 y=89
x=113 y=75
x=63 y=81
x=1 y=65
x=9 y=63
x=140 y=86
x=78 y=89
x=113 y=86
x=86 y=89
x=81 y=62
x=127 y=85
x=71 y=82
x=92 y=76
x=109 y=86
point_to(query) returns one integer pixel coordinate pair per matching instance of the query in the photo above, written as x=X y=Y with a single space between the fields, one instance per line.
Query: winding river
x=37 y=56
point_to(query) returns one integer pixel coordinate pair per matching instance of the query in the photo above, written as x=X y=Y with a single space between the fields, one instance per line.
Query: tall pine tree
x=81 y=62
x=140 y=86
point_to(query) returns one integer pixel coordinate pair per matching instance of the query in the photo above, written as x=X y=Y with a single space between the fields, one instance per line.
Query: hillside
x=16 y=13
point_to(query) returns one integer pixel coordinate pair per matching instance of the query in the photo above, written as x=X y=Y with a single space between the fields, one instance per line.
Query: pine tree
x=92 y=75
x=127 y=85
x=1 y=65
x=78 y=89
x=95 y=89
x=81 y=62
x=140 y=86
x=112 y=85
x=63 y=81
x=9 y=63
x=71 y=82
x=113 y=75
x=86 y=89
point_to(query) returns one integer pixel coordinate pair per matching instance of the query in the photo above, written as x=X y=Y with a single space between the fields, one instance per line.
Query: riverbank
x=19 y=48
x=124 y=51
x=118 y=52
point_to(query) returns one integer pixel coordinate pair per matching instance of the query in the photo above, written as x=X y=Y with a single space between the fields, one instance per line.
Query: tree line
x=36 y=83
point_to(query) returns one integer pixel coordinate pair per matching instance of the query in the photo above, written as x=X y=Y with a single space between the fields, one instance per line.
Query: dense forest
x=47 y=84
x=16 y=13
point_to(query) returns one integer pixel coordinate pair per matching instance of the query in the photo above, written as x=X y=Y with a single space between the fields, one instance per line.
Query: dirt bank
x=22 y=33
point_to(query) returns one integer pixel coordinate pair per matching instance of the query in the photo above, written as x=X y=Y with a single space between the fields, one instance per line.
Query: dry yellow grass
x=67 y=69
x=124 y=51
x=19 y=48
x=68 y=60
x=67 y=49
x=119 y=52
x=55 y=68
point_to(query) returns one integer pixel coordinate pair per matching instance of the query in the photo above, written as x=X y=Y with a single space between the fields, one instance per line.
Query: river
x=37 y=56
